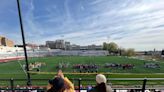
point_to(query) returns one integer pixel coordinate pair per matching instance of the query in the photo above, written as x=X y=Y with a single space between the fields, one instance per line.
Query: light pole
x=108 y=37
x=24 y=44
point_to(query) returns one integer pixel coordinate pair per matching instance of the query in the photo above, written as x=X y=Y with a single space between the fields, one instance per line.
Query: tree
x=127 y=52
x=112 y=47
x=122 y=52
x=130 y=52
x=104 y=46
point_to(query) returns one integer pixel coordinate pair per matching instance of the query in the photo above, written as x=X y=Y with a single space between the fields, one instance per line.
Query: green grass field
x=13 y=69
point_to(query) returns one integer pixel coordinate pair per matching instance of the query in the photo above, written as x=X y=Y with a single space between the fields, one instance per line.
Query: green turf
x=139 y=64
x=13 y=69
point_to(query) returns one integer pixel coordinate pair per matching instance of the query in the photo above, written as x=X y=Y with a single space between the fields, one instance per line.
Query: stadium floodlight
x=24 y=44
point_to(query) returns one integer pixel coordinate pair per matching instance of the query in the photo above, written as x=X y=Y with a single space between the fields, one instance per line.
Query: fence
x=78 y=82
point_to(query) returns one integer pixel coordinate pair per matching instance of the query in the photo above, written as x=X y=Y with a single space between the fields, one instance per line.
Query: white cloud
x=129 y=23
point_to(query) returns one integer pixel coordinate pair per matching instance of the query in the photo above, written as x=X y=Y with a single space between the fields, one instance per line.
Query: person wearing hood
x=101 y=84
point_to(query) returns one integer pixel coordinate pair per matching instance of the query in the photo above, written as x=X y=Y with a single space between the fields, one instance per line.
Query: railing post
x=79 y=82
x=12 y=84
x=144 y=85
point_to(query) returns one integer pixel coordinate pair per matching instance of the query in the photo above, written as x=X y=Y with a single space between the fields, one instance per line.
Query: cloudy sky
x=135 y=24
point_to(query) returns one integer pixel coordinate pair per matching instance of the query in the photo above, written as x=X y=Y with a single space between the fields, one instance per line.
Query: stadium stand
x=13 y=53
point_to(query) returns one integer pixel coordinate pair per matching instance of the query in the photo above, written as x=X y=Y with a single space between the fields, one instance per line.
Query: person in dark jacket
x=57 y=85
x=101 y=84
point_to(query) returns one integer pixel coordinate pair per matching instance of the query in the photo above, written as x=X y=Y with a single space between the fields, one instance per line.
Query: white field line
x=22 y=67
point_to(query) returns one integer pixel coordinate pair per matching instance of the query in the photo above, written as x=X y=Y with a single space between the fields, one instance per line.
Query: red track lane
x=10 y=59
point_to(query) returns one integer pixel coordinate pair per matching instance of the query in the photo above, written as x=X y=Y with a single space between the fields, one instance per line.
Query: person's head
x=57 y=84
x=100 y=78
x=101 y=82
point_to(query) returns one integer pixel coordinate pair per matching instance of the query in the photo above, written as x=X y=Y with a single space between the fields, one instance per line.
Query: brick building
x=6 y=42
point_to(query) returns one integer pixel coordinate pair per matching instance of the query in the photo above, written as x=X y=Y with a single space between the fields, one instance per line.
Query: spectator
x=89 y=87
x=101 y=84
x=60 y=84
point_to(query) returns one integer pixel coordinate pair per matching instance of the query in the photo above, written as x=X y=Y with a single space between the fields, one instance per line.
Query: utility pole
x=24 y=44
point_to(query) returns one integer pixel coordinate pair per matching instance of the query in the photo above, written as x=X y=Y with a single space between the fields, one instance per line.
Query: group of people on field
x=86 y=67
x=151 y=65
x=62 y=65
x=115 y=65
x=35 y=65
x=60 y=83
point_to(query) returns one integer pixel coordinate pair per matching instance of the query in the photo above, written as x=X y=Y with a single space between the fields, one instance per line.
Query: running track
x=10 y=59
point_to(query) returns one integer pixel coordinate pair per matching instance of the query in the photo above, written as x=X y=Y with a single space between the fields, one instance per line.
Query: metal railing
x=142 y=87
